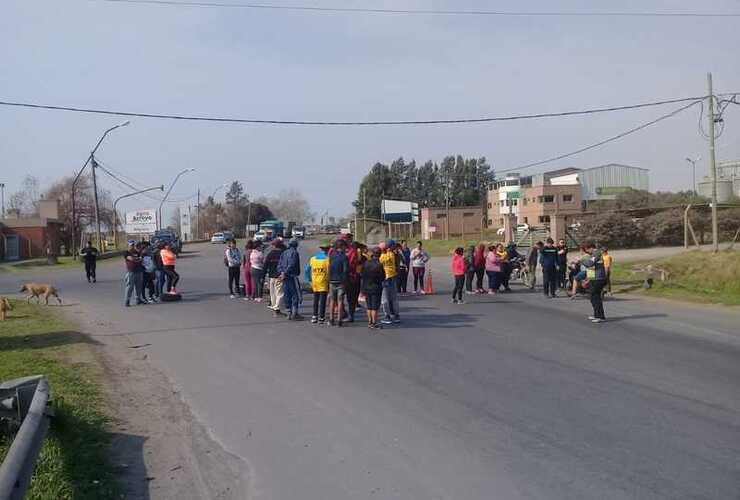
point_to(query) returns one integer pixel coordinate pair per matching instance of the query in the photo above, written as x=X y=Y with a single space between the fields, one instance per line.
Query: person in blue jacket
x=289 y=268
x=549 y=264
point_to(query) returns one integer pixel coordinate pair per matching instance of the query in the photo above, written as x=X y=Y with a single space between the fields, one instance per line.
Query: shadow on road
x=130 y=468
x=42 y=340
x=636 y=316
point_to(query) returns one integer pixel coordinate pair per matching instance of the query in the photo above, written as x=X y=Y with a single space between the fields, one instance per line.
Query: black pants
x=549 y=280
x=506 y=275
x=258 y=282
x=149 y=285
x=458 y=290
x=172 y=277
x=90 y=269
x=352 y=288
x=469 y=280
x=562 y=270
x=419 y=278
x=597 y=301
x=319 y=305
x=403 y=280
x=234 y=277
x=479 y=273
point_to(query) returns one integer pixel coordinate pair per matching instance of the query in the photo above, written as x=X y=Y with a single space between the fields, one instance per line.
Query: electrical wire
x=601 y=143
x=117 y=176
x=345 y=123
x=434 y=12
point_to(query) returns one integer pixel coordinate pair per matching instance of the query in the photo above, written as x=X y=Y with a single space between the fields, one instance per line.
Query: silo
x=724 y=189
x=736 y=186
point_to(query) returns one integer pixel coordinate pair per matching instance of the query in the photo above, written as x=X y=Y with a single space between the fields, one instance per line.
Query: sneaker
x=591 y=318
x=258 y=299
x=454 y=301
x=322 y=321
x=423 y=292
x=245 y=298
x=297 y=317
x=598 y=320
x=491 y=292
x=94 y=280
x=386 y=321
x=460 y=302
x=314 y=319
x=396 y=320
x=232 y=296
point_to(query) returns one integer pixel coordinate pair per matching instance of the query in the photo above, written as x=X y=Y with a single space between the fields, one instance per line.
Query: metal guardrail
x=24 y=400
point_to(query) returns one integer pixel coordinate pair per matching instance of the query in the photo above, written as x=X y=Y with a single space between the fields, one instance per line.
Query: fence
x=25 y=401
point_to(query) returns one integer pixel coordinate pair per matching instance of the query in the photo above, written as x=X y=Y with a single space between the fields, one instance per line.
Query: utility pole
x=2 y=196
x=94 y=165
x=197 y=218
x=712 y=164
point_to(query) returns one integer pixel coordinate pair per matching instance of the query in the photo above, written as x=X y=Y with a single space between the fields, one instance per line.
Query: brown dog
x=4 y=308
x=39 y=290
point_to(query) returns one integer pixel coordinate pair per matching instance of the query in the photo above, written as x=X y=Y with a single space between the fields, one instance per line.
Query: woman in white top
x=419 y=259
x=257 y=265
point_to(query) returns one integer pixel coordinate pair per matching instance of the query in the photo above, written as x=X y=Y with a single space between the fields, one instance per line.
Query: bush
x=614 y=230
x=664 y=228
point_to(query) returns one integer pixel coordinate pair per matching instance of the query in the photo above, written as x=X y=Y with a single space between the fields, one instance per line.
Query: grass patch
x=696 y=276
x=73 y=463
x=65 y=262
x=445 y=248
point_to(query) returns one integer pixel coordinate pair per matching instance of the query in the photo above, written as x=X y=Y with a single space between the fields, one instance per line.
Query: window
x=502 y=202
x=441 y=216
x=490 y=222
x=515 y=202
x=567 y=198
x=526 y=220
x=490 y=205
x=544 y=218
x=468 y=214
x=548 y=198
x=525 y=201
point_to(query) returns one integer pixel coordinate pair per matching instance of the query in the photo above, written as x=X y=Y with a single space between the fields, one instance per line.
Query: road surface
x=509 y=397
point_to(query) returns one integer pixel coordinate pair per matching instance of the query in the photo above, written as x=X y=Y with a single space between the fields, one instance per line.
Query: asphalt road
x=505 y=397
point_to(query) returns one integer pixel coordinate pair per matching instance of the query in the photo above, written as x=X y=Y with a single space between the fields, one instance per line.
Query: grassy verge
x=64 y=263
x=692 y=276
x=73 y=461
x=441 y=248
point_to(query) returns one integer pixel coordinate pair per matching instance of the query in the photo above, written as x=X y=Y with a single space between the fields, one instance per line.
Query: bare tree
x=25 y=201
x=290 y=205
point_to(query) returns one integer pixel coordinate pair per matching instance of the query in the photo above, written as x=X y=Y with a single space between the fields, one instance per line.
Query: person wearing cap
x=132 y=278
x=390 y=287
x=373 y=276
x=317 y=273
x=289 y=268
x=273 y=275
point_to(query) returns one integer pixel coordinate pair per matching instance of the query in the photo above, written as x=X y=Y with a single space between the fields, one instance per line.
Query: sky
x=285 y=65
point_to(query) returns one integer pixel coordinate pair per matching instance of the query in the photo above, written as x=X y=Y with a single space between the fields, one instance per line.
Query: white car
x=218 y=238
x=260 y=235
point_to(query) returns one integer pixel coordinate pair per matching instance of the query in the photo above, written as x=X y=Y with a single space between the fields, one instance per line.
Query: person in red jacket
x=458 y=271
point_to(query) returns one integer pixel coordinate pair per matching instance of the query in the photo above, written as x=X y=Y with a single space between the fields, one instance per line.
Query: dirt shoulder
x=159 y=450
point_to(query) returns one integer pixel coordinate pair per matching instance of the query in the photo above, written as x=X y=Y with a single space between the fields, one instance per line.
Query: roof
x=620 y=165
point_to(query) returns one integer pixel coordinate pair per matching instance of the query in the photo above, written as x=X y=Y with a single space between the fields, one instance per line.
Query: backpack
x=149 y=264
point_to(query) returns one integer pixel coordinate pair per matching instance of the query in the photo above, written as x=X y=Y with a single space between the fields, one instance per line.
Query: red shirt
x=458 y=265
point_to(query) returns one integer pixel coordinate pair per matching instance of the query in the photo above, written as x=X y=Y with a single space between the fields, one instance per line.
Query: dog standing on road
x=4 y=308
x=40 y=290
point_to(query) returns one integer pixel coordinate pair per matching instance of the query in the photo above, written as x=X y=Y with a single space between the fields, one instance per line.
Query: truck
x=272 y=229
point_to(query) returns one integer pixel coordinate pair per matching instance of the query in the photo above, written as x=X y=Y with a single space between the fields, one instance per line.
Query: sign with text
x=141 y=221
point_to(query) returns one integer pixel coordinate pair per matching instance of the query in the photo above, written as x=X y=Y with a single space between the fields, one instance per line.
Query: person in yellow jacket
x=317 y=273
x=389 y=260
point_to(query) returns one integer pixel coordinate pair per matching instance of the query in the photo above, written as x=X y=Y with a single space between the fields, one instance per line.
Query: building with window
x=535 y=199
x=462 y=221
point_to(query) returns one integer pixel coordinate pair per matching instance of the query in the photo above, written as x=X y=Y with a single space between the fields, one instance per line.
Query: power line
x=601 y=143
x=344 y=123
x=429 y=12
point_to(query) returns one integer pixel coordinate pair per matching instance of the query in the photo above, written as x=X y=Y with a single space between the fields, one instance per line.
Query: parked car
x=218 y=238
x=260 y=235
x=299 y=232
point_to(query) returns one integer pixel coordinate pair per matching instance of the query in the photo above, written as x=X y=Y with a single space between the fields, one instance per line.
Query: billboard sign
x=400 y=211
x=141 y=221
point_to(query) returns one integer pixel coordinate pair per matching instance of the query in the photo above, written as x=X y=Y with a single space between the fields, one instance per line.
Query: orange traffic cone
x=428 y=284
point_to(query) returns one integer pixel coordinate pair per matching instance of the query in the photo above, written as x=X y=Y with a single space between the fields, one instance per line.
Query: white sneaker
x=232 y=296
x=597 y=320
x=591 y=318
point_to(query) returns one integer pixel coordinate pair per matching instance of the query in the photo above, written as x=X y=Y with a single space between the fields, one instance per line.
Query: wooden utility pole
x=712 y=164
x=94 y=165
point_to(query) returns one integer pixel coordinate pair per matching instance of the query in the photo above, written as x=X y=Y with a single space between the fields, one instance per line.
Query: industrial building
x=435 y=223
x=535 y=199
x=728 y=182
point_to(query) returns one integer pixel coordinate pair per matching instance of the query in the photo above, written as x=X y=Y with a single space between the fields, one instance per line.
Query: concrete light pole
x=77 y=177
x=712 y=164
x=693 y=171
x=159 y=218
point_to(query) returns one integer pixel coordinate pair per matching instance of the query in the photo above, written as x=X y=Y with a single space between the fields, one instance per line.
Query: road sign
x=141 y=221
x=398 y=211
x=513 y=195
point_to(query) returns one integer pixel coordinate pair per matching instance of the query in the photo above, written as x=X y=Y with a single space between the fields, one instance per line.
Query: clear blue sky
x=297 y=65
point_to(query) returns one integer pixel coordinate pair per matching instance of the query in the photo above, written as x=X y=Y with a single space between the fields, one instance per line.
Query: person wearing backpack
x=233 y=261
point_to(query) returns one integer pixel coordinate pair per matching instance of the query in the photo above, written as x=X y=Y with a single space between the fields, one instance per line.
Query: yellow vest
x=388 y=260
x=319 y=274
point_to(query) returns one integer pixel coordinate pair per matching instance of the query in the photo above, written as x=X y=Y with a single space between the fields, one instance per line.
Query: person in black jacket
x=90 y=256
x=271 y=269
x=562 y=263
x=373 y=276
x=549 y=263
x=338 y=275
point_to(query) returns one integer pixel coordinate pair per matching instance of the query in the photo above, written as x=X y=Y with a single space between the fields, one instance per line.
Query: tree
x=25 y=201
x=290 y=205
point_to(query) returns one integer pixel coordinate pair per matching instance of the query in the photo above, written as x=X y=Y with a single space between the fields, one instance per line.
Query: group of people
x=342 y=275
x=150 y=272
x=589 y=273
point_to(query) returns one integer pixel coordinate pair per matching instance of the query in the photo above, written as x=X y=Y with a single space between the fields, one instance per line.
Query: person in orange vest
x=169 y=258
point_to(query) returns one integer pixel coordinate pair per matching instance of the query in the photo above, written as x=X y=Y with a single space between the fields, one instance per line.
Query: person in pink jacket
x=247 y=270
x=494 y=267
x=458 y=271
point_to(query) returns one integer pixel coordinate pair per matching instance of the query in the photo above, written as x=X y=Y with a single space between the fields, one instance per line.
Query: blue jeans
x=159 y=282
x=389 y=300
x=133 y=283
x=291 y=297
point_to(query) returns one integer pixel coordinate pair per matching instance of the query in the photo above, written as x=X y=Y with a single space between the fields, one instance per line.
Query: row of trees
x=461 y=180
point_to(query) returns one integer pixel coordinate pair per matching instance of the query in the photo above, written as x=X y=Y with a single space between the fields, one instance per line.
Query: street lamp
x=159 y=221
x=693 y=169
x=77 y=177
x=115 y=212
